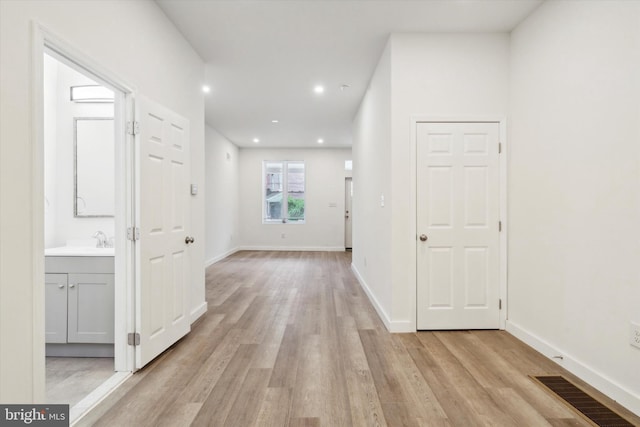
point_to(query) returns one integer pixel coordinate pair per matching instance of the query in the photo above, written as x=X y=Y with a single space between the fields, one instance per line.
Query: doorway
x=149 y=282
x=458 y=225
x=348 y=213
x=86 y=212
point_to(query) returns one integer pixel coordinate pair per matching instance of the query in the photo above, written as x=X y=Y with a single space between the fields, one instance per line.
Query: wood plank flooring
x=290 y=339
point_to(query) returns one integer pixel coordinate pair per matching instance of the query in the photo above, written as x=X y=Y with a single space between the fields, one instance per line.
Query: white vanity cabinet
x=79 y=305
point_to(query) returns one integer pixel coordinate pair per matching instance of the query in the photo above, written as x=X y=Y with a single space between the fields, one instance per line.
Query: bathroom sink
x=79 y=251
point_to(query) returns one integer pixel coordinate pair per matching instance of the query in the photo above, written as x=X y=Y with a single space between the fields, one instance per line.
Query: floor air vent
x=587 y=406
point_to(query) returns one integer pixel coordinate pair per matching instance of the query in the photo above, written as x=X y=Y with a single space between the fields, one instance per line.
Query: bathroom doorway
x=85 y=220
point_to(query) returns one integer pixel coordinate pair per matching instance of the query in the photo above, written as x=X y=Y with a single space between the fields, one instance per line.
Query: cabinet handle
x=72 y=286
x=60 y=286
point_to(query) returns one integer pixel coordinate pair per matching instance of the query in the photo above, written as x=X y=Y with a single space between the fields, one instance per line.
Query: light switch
x=194 y=189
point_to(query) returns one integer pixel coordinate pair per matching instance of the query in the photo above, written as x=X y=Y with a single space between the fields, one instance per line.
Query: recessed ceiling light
x=256 y=140
x=318 y=89
x=274 y=121
x=206 y=89
x=320 y=141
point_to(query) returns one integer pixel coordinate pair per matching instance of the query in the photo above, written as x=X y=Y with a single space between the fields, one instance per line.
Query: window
x=283 y=178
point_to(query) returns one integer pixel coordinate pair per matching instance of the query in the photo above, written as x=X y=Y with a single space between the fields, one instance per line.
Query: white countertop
x=79 y=251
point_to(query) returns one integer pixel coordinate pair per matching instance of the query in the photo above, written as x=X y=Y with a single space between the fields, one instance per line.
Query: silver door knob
x=423 y=237
x=60 y=286
x=72 y=286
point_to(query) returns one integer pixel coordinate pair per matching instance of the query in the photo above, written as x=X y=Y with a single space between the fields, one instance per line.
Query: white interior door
x=163 y=175
x=458 y=206
x=348 y=212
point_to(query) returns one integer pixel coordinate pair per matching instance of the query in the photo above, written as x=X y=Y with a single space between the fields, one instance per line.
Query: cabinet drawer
x=78 y=264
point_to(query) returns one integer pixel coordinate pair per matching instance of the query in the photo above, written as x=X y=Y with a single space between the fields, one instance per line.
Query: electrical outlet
x=634 y=335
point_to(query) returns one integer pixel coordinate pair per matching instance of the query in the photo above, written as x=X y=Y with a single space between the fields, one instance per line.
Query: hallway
x=290 y=339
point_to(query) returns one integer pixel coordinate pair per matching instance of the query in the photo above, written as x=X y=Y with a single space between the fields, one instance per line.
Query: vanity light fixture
x=91 y=93
x=274 y=121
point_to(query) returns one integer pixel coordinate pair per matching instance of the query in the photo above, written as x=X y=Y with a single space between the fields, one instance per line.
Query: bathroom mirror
x=94 y=167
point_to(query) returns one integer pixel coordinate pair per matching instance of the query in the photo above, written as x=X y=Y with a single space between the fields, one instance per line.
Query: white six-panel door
x=458 y=205
x=162 y=294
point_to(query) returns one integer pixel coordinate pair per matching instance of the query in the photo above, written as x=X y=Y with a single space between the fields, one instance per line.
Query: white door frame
x=348 y=195
x=502 y=121
x=43 y=38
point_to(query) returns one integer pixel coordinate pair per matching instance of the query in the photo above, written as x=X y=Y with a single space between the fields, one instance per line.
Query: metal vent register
x=590 y=408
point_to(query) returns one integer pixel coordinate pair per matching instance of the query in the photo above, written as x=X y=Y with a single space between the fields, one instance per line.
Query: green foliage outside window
x=295 y=208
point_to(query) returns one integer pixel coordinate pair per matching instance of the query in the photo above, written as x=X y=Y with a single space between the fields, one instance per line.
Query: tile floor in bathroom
x=71 y=379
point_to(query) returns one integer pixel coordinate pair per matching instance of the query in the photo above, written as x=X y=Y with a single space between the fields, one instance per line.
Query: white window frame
x=285 y=192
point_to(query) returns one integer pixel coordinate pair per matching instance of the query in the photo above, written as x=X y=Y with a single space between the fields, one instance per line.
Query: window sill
x=279 y=222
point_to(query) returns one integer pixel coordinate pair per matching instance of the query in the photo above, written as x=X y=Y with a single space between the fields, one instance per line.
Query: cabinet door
x=55 y=288
x=91 y=308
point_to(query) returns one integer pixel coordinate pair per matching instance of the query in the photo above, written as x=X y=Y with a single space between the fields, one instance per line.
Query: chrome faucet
x=102 y=239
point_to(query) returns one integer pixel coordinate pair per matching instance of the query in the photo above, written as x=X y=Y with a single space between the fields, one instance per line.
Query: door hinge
x=133 y=233
x=133 y=128
x=500 y=304
x=499 y=147
x=499 y=226
x=133 y=338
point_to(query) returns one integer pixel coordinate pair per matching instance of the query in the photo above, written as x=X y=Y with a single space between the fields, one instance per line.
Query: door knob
x=423 y=237
x=72 y=286
x=189 y=239
x=60 y=286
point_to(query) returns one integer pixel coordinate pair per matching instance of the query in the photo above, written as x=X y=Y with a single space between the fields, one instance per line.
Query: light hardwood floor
x=290 y=339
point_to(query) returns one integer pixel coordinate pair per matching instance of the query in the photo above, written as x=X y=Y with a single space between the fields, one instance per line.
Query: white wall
x=134 y=40
x=324 y=225
x=371 y=179
x=436 y=75
x=60 y=223
x=222 y=197
x=574 y=234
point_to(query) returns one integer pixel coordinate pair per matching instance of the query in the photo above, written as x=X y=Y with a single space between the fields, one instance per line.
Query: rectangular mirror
x=94 y=151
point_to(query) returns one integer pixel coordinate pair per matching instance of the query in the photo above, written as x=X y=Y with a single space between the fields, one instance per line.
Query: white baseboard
x=600 y=381
x=294 y=248
x=220 y=257
x=82 y=408
x=392 y=326
x=198 y=311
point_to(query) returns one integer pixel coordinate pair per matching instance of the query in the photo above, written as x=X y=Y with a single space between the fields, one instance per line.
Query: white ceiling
x=264 y=57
